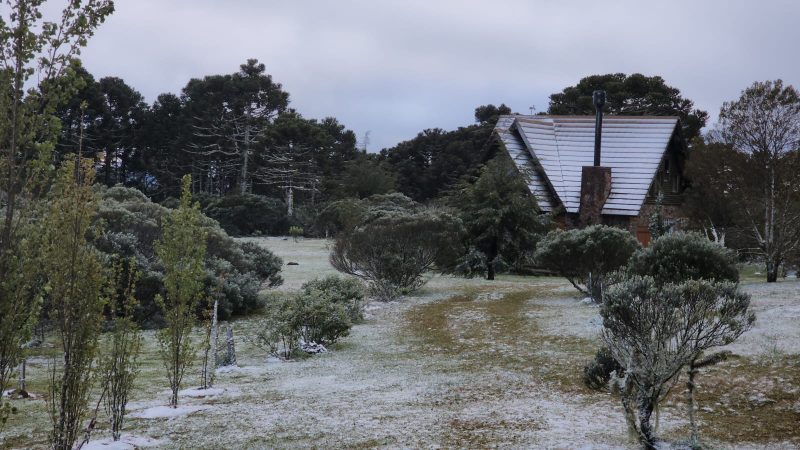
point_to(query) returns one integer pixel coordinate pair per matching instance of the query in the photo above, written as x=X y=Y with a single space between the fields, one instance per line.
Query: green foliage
x=348 y=292
x=490 y=113
x=322 y=312
x=235 y=271
x=435 y=161
x=37 y=77
x=397 y=242
x=655 y=223
x=681 y=256
x=248 y=214
x=119 y=363
x=319 y=319
x=339 y=216
x=501 y=217
x=366 y=176
x=75 y=289
x=597 y=373
x=635 y=95
x=276 y=332
x=295 y=232
x=181 y=250
x=587 y=257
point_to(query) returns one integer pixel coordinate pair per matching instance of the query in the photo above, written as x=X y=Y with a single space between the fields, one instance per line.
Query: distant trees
x=502 y=219
x=710 y=202
x=228 y=113
x=635 y=95
x=435 y=161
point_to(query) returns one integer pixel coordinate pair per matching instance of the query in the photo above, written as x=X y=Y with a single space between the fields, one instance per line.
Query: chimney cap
x=599 y=99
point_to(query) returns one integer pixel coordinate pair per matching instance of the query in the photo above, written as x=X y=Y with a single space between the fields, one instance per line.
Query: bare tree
x=763 y=126
x=654 y=331
x=290 y=168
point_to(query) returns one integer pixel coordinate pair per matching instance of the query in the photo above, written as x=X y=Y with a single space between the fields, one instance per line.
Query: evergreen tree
x=181 y=250
x=501 y=217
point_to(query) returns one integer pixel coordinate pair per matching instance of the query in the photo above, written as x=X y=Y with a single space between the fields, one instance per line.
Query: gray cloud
x=396 y=67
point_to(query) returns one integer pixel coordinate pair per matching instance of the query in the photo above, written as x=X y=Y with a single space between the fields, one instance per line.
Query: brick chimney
x=596 y=179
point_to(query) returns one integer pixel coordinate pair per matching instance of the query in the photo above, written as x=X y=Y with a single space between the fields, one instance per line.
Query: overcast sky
x=397 y=67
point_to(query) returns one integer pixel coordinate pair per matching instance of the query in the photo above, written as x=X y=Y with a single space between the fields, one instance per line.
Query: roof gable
x=557 y=147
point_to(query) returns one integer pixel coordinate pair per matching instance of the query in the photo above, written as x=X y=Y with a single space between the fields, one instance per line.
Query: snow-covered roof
x=550 y=152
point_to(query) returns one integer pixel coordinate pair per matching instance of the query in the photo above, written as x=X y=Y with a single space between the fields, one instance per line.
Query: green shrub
x=677 y=257
x=248 y=214
x=587 y=257
x=394 y=247
x=319 y=320
x=295 y=232
x=597 y=373
x=235 y=271
x=276 y=332
x=322 y=312
x=348 y=292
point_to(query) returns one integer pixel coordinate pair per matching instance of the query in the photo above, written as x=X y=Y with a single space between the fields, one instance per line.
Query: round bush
x=680 y=256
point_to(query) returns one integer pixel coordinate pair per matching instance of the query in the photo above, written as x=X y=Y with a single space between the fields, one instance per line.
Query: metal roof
x=550 y=152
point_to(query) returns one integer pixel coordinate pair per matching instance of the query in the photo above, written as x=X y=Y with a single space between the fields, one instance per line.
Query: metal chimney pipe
x=599 y=100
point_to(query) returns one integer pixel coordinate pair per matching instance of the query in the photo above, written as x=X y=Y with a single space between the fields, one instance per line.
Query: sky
x=394 y=68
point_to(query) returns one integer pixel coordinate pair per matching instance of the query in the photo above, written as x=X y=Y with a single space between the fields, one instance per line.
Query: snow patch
x=126 y=442
x=161 y=412
x=200 y=393
x=312 y=347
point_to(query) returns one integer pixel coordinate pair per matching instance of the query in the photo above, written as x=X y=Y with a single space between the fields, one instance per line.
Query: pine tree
x=182 y=251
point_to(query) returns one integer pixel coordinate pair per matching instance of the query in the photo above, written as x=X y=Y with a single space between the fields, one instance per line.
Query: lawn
x=461 y=363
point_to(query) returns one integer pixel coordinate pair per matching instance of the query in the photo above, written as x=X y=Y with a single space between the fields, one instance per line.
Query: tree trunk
x=491 y=261
x=772 y=271
x=694 y=439
x=646 y=434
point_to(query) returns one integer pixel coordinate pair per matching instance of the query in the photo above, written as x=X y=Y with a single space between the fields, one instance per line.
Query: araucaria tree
x=181 y=250
x=654 y=330
x=763 y=128
x=76 y=282
x=30 y=49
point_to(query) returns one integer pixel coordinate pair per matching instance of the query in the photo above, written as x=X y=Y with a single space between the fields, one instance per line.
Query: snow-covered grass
x=462 y=363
